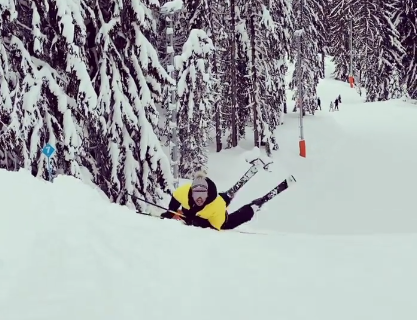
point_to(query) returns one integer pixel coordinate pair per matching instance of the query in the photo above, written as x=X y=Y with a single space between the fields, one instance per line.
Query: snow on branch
x=195 y=102
x=39 y=96
x=172 y=7
x=137 y=165
x=73 y=29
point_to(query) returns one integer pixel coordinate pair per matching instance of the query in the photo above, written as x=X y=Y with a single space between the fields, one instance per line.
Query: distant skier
x=318 y=103
x=203 y=207
x=336 y=104
x=331 y=106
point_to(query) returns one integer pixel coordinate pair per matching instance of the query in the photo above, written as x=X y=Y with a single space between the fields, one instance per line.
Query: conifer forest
x=109 y=82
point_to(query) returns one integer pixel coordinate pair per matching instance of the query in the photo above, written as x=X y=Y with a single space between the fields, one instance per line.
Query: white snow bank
x=66 y=253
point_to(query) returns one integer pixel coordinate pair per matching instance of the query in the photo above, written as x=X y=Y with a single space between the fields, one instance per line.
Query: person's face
x=199 y=197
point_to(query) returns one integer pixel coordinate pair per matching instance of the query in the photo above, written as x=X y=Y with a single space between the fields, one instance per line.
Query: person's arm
x=226 y=198
x=174 y=205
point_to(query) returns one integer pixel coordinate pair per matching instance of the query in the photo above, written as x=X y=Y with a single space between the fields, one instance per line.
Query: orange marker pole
x=302 y=142
x=351 y=81
x=303 y=151
x=300 y=88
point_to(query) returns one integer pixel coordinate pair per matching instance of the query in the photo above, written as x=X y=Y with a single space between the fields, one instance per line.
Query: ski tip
x=291 y=180
x=267 y=166
x=257 y=163
x=261 y=163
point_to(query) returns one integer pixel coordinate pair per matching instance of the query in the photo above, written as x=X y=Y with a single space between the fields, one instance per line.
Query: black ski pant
x=233 y=220
x=239 y=217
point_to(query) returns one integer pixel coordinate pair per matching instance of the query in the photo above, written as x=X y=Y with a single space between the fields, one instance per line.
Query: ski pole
x=156 y=205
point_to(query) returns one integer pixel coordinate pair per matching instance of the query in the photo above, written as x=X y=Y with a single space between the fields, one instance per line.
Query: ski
x=281 y=187
x=246 y=232
x=256 y=164
x=233 y=230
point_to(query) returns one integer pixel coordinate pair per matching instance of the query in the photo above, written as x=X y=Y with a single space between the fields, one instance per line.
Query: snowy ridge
x=67 y=253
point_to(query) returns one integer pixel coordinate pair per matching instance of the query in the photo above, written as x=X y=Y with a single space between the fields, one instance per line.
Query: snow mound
x=66 y=253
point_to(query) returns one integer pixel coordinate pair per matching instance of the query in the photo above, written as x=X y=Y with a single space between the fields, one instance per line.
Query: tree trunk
x=217 y=116
x=233 y=71
x=256 y=133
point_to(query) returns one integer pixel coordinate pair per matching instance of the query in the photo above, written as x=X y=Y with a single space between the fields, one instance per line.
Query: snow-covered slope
x=360 y=170
x=66 y=253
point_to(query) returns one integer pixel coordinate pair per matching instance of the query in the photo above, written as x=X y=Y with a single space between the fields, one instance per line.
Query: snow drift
x=66 y=253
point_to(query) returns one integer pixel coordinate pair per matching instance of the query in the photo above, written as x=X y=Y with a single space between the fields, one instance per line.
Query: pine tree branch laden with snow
x=142 y=58
x=220 y=86
x=42 y=116
x=311 y=63
x=43 y=111
x=84 y=77
x=8 y=90
x=243 y=82
x=194 y=103
x=339 y=34
x=128 y=80
x=377 y=46
x=405 y=20
x=268 y=29
x=278 y=48
x=383 y=48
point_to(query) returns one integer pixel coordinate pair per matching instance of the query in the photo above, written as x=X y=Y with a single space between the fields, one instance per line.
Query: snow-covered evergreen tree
x=227 y=51
x=128 y=80
x=195 y=117
x=323 y=22
x=339 y=22
x=266 y=63
x=405 y=17
x=218 y=34
x=52 y=89
x=180 y=31
x=306 y=16
x=195 y=97
x=9 y=123
x=381 y=49
x=280 y=44
x=261 y=42
x=376 y=46
x=241 y=41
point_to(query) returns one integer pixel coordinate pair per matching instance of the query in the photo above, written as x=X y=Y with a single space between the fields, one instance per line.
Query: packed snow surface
x=339 y=245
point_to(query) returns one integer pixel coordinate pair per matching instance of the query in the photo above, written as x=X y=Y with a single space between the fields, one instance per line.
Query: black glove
x=188 y=220
x=167 y=215
x=200 y=222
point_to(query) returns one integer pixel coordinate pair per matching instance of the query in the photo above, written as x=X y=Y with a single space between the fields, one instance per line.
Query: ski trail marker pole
x=49 y=151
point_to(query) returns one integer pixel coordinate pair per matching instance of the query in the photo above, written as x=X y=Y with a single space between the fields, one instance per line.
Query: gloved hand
x=171 y=215
x=167 y=215
x=188 y=220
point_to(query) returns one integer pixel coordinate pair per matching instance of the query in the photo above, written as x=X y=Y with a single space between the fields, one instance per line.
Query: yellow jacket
x=214 y=211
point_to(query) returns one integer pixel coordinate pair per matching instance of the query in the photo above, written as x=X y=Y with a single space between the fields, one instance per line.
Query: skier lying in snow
x=203 y=207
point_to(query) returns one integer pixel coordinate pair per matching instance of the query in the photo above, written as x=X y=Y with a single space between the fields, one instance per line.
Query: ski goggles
x=199 y=192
